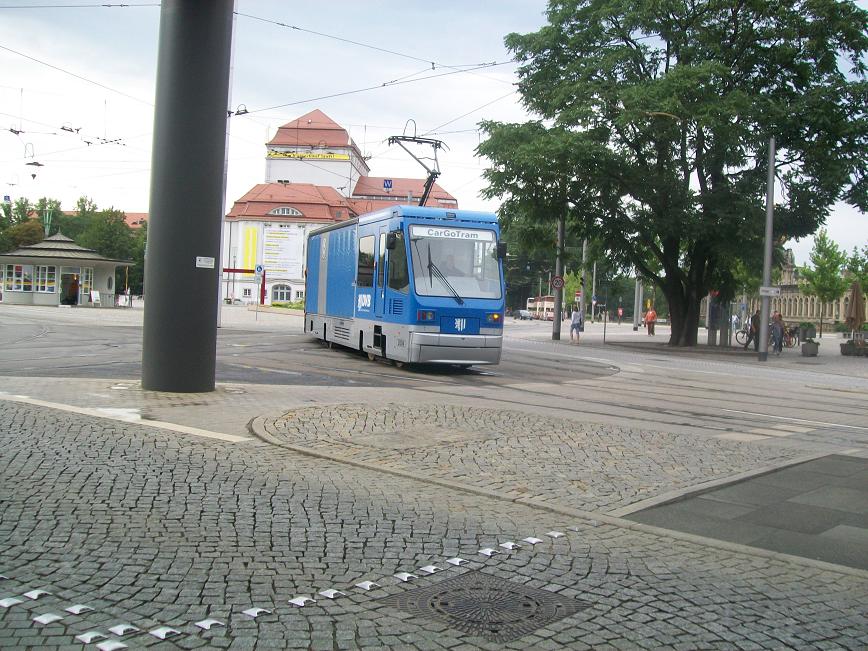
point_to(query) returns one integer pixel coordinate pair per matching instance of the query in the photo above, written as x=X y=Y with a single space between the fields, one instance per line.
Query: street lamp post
x=767 y=255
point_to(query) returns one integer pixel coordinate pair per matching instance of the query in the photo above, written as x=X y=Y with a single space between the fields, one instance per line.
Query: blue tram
x=411 y=284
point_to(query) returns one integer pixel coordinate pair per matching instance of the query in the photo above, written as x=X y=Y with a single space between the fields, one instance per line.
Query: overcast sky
x=92 y=70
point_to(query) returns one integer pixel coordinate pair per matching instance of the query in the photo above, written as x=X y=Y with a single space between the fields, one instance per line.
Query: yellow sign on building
x=313 y=155
x=249 y=248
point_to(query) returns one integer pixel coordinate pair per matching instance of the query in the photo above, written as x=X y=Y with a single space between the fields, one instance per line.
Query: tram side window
x=399 y=277
x=365 y=275
x=381 y=263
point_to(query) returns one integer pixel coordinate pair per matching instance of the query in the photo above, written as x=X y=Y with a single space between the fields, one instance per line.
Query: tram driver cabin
x=410 y=284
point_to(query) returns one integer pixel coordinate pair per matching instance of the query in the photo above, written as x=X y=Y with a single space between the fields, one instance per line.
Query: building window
x=46 y=279
x=365 y=275
x=299 y=295
x=19 y=278
x=286 y=211
x=281 y=293
x=247 y=293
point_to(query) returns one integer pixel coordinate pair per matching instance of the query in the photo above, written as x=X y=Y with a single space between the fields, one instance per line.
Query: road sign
x=387 y=184
x=259 y=270
x=770 y=291
x=557 y=282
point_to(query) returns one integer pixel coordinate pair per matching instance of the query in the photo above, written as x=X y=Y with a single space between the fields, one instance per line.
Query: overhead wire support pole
x=763 y=349
x=434 y=171
x=182 y=269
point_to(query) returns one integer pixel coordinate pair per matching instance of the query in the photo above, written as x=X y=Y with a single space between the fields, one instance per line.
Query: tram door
x=379 y=290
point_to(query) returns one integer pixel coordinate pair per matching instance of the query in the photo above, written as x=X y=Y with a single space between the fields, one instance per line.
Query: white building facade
x=315 y=175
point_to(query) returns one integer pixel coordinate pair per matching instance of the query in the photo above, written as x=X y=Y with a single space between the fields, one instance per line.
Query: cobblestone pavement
x=156 y=529
x=520 y=454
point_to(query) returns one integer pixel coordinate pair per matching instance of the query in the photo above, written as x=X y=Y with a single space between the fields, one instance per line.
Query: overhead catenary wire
x=470 y=112
x=77 y=76
x=101 y=5
x=342 y=39
x=383 y=85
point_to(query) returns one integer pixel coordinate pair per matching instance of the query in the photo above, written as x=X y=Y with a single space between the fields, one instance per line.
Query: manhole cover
x=481 y=604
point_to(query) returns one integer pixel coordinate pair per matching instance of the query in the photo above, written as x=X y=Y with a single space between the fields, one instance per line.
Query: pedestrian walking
x=576 y=323
x=778 y=333
x=753 y=333
x=650 y=320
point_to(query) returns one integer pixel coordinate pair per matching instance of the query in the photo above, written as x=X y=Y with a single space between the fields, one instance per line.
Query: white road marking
x=739 y=436
x=796 y=420
x=794 y=428
x=771 y=432
x=124 y=416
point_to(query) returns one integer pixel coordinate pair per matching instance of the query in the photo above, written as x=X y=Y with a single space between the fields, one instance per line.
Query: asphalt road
x=34 y=344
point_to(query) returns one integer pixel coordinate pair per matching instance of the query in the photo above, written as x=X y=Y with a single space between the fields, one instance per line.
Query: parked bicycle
x=791 y=337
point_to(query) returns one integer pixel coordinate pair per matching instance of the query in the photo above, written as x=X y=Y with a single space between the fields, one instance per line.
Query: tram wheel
x=371 y=356
x=397 y=363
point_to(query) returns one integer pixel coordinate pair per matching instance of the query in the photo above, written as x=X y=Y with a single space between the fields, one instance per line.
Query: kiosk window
x=365 y=275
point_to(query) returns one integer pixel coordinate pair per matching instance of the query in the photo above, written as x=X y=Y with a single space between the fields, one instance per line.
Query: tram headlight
x=425 y=315
x=494 y=317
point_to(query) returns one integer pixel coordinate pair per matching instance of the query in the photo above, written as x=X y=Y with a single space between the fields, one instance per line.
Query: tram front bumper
x=435 y=348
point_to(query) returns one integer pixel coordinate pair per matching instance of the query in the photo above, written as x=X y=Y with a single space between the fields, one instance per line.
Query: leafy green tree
x=825 y=279
x=857 y=265
x=21 y=210
x=74 y=225
x=136 y=273
x=109 y=235
x=85 y=207
x=47 y=210
x=21 y=234
x=660 y=115
x=5 y=215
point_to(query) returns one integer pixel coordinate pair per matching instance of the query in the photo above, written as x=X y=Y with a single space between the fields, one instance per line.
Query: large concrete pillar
x=182 y=267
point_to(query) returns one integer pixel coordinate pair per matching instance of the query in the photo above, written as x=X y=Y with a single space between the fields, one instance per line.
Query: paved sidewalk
x=166 y=534
x=255 y=516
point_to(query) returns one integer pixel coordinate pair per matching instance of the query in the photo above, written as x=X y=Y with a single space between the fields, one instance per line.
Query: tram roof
x=417 y=212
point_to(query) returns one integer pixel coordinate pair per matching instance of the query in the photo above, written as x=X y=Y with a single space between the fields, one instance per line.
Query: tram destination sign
x=452 y=233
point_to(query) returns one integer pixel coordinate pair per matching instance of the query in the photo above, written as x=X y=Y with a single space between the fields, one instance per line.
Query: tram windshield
x=456 y=262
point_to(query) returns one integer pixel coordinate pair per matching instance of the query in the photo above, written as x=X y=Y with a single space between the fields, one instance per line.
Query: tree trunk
x=683 y=315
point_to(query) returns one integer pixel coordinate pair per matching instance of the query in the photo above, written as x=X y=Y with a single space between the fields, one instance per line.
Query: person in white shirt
x=576 y=323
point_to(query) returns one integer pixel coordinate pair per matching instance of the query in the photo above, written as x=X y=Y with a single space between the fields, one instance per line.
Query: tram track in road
x=661 y=417
x=43 y=331
x=759 y=399
x=682 y=404
x=684 y=414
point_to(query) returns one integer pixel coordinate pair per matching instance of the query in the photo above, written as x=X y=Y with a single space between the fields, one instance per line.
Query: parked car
x=523 y=315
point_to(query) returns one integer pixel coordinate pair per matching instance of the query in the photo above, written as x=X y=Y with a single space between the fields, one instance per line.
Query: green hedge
x=295 y=305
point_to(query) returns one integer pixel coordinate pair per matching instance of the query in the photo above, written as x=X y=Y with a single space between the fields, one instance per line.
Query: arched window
x=286 y=211
x=281 y=293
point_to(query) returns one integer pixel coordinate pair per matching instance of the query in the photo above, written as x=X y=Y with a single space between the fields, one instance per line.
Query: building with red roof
x=370 y=194
x=314 y=175
x=314 y=149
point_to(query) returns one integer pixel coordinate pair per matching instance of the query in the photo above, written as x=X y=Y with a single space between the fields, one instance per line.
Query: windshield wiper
x=434 y=269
